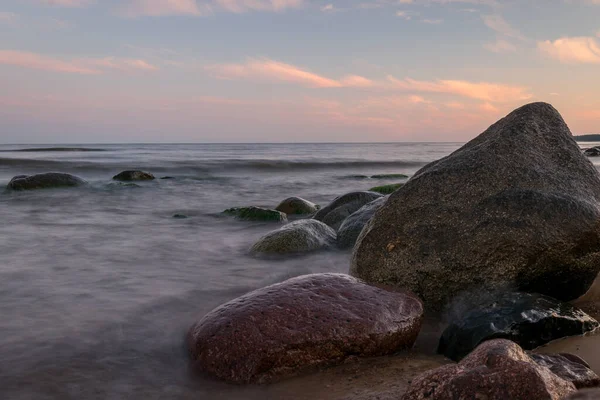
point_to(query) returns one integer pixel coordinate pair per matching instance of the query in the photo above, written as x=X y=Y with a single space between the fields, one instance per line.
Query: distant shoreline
x=588 y=138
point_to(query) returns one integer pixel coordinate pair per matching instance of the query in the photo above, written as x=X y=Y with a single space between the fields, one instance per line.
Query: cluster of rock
x=518 y=207
x=60 y=180
x=592 y=151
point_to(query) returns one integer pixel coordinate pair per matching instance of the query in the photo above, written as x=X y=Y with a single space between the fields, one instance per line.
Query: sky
x=142 y=71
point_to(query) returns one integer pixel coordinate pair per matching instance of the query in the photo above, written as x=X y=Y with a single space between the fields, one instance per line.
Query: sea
x=99 y=284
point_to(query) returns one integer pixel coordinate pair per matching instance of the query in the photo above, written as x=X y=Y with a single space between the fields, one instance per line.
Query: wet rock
x=518 y=205
x=499 y=370
x=167 y=177
x=530 y=320
x=354 y=224
x=44 y=181
x=297 y=205
x=387 y=189
x=296 y=237
x=342 y=207
x=592 y=152
x=585 y=394
x=389 y=176
x=126 y=176
x=256 y=214
x=304 y=322
x=180 y=216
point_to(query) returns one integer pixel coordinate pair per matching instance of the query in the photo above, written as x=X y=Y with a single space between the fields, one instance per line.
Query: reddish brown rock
x=500 y=369
x=308 y=321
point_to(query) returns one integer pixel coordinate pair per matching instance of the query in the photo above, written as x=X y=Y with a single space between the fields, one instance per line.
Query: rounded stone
x=126 y=176
x=256 y=214
x=44 y=181
x=343 y=206
x=297 y=205
x=308 y=321
x=354 y=224
x=296 y=237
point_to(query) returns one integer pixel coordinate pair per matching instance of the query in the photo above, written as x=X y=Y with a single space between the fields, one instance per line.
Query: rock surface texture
x=296 y=237
x=354 y=224
x=530 y=320
x=44 y=181
x=342 y=207
x=297 y=206
x=127 y=176
x=500 y=370
x=518 y=205
x=304 y=322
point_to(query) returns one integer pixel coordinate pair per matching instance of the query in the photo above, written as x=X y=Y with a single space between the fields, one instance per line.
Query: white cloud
x=572 y=50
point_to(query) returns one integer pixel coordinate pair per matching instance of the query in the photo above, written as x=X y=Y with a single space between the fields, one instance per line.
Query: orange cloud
x=572 y=50
x=30 y=60
x=490 y=92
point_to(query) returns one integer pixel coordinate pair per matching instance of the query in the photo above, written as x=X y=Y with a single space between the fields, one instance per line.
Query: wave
x=52 y=149
x=291 y=165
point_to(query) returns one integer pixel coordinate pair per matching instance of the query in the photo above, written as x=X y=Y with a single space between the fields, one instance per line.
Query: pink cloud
x=67 y=3
x=240 y=6
x=572 y=50
x=90 y=66
x=157 y=8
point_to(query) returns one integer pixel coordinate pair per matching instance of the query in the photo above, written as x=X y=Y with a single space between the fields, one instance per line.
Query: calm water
x=98 y=285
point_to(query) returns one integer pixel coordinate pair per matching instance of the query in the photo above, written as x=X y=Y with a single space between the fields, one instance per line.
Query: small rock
x=389 y=176
x=296 y=237
x=133 y=176
x=500 y=370
x=297 y=205
x=592 y=152
x=342 y=207
x=530 y=320
x=180 y=216
x=387 y=189
x=44 y=181
x=256 y=214
x=305 y=322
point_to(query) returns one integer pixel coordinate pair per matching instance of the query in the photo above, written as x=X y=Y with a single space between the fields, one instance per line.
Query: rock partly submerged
x=343 y=206
x=44 y=181
x=530 y=320
x=592 y=151
x=308 y=321
x=517 y=205
x=256 y=214
x=387 y=189
x=297 y=206
x=500 y=370
x=133 y=175
x=354 y=224
x=296 y=237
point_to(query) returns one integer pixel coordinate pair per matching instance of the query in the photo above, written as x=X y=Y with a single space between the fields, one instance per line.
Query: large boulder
x=134 y=175
x=354 y=224
x=256 y=214
x=44 y=181
x=517 y=205
x=296 y=237
x=530 y=320
x=304 y=322
x=297 y=205
x=500 y=370
x=343 y=206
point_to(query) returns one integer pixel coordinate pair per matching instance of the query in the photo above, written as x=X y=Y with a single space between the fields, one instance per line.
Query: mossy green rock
x=297 y=205
x=389 y=176
x=297 y=237
x=387 y=189
x=256 y=214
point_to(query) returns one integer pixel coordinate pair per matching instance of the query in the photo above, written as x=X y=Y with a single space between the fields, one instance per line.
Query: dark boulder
x=296 y=237
x=297 y=205
x=256 y=214
x=44 y=181
x=387 y=189
x=354 y=224
x=127 y=176
x=500 y=370
x=308 y=321
x=592 y=151
x=518 y=205
x=342 y=207
x=530 y=320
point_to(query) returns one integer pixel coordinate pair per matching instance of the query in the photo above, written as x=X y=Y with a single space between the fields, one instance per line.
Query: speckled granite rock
x=500 y=370
x=296 y=237
x=44 y=181
x=304 y=322
x=518 y=205
x=530 y=320
x=342 y=207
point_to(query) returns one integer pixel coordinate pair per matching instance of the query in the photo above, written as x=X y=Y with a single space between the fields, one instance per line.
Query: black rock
x=530 y=320
x=44 y=181
x=342 y=207
x=354 y=224
x=133 y=176
x=592 y=151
